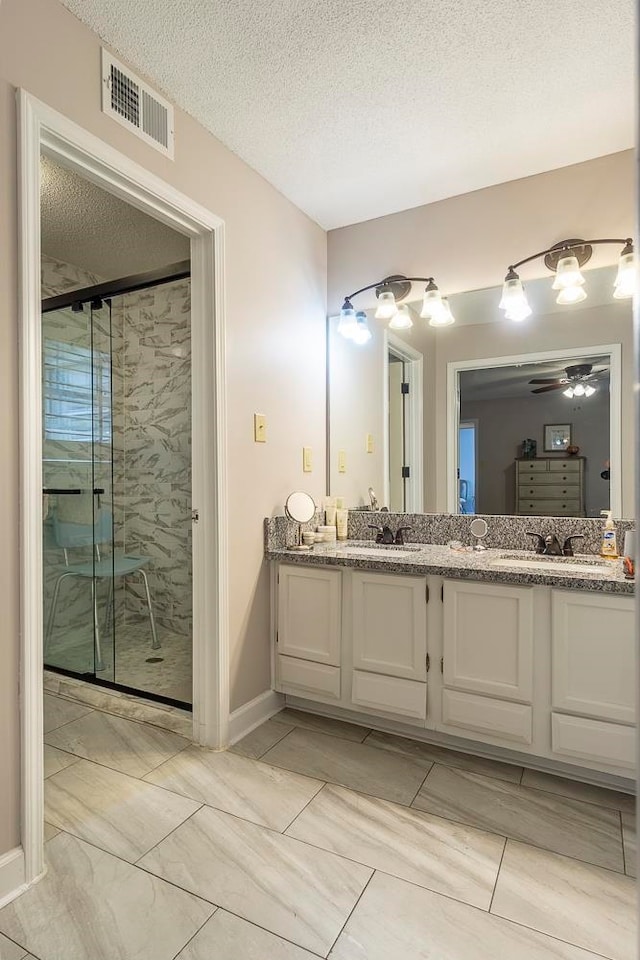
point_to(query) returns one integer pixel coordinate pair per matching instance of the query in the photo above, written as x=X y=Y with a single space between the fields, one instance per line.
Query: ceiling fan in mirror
x=579 y=381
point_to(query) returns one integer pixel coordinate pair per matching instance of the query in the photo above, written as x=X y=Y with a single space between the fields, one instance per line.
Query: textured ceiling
x=362 y=108
x=90 y=228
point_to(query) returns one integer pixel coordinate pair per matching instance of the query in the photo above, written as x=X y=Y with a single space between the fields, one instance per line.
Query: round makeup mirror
x=300 y=508
x=478 y=528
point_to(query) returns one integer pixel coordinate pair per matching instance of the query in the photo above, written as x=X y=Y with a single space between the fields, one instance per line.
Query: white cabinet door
x=309 y=614
x=390 y=624
x=593 y=655
x=488 y=639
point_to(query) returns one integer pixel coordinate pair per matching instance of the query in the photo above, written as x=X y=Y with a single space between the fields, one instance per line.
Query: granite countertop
x=434 y=560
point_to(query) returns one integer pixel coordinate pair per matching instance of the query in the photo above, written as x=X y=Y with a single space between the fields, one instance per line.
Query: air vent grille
x=129 y=100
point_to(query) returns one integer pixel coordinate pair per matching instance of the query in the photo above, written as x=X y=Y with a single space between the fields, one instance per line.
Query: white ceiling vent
x=133 y=103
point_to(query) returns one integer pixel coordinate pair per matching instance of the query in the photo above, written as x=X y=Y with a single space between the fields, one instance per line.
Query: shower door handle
x=72 y=491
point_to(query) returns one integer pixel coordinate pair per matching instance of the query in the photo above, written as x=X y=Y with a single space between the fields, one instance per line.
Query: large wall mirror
x=449 y=420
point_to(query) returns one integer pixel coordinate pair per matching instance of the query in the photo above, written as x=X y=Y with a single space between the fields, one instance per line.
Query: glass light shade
x=568 y=393
x=431 y=303
x=518 y=313
x=571 y=295
x=578 y=390
x=444 y=318
x=362 y=333
x=568 y=273
x=625 y=284
x=514 y=300
x=401 y=319
x=347 y=322
x=589 y=390
x=386 y=308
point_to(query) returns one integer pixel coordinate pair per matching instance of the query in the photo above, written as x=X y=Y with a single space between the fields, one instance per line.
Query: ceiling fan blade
x=553 y=386
x=546 y=380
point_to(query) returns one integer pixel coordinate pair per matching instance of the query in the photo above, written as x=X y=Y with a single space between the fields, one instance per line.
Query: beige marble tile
x=49 y=832
x=355 y=765
x=133 y=748
x=56 y=760
x=295 y=891
x=256 y=743
x=630 y=848
x=395 y=920
x=565 y=826
x=433 y=753
x=93 y=906
x=225 y=937
x=10 y=950
x=121 y=815
x=314 y=721
x=58 y=712
x=588 y=792
x=247 y=788
x=577 y=902
x=435 y=853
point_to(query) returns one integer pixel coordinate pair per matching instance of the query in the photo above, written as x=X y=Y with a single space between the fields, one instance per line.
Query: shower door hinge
x=195 y=515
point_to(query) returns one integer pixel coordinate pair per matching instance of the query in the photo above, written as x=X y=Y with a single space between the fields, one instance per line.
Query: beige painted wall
x=276 y=307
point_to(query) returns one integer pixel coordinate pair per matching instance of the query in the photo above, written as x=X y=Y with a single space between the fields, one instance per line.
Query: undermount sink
x=555 y=564
x=383 y=550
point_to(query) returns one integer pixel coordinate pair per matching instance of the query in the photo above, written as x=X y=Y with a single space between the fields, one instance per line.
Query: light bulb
x=444 y=318
x=579 y=390
x=347 y=323
x=625 y=284
x=431 y=302
x=568 y=393
x=386 y=308
x=361 y=334
x=589 y=390
x=401 y=320
x=514 y=300
x=571 y=295
x=568 y=273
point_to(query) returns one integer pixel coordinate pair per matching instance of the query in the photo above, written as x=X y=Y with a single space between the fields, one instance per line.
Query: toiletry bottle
x=342 y=523
x=330 y=511
x=609 y=548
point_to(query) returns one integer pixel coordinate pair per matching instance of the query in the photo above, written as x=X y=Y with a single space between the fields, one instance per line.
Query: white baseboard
x=12 y=875
x=250 y=715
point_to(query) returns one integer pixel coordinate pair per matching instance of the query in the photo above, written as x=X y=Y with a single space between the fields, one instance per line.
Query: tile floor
x=315 y=838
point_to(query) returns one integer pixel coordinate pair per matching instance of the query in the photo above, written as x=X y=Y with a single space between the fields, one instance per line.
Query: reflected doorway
x=467 y=465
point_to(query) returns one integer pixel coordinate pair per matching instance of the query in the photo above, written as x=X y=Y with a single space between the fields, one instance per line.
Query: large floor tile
x=225 y=937
x=629 y=838
x=56 y=760
x=10 y=950
x=573 y=901
x=256 y=743
x=49 y=833
x=121 y=815
x=92 y=906
x=395 y=920
x=571 y=827
x=295 y=891
x=247 y=788
x=353 y=765
x=314 y=721
x=128 y=746
x=435 y=853
x=432 y=753
x=58 y=712
x=575 y=790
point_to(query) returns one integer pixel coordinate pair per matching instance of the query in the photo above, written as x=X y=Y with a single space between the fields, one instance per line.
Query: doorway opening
x=468 y=465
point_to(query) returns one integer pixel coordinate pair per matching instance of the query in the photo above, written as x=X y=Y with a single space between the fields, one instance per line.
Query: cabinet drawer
x=550 y=508
x=526 y=467
x=553 y=491
x=564 y=466
x=407 y=698
x=509 y=721
x=303 y=677
x=550 y=479
x=596 y=740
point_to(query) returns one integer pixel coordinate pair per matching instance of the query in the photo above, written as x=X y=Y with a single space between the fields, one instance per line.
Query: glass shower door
x=78 y=490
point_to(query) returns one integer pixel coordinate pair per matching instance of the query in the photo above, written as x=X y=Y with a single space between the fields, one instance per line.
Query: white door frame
x=615 y=410
x=42 y=129
x=414 y=413
x=466 y=424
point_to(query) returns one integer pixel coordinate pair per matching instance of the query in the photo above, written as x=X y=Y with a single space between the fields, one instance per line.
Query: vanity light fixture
x=389 y=291
x=361 y=333
x=565 y=260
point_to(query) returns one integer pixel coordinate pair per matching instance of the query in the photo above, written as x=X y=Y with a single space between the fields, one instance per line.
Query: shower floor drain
x=154 y=660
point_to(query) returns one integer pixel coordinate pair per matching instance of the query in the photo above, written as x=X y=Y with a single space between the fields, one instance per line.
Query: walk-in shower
x=117 y=482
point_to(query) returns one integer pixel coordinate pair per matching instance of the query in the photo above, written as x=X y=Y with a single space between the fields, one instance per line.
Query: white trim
x=414 y=426
x=615 y=410
x=42 y=129
x=12 y=875
x=474 y=423
x=249 y=716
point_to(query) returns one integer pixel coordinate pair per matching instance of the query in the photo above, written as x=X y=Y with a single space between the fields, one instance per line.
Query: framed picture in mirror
x=557 y=437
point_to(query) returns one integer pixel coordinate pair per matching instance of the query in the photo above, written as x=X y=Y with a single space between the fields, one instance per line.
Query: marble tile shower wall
x=152 y=450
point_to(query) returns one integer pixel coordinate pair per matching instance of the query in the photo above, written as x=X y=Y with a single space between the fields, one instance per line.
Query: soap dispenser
x=609 y=548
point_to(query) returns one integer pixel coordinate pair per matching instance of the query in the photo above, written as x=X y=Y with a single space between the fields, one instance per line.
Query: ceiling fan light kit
x=578 y=381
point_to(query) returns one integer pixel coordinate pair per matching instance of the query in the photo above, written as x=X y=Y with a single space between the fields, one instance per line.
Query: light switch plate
x=342 y=461
x=307 y=459
x=259 y=428
x=369 y=443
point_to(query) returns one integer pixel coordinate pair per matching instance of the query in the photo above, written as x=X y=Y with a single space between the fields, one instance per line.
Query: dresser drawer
x=551 y=479
x=549 y=508
x=542 y=491
x=564 y=466
x=526 y=467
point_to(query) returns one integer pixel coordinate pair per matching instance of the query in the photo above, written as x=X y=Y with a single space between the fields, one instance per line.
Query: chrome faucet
x=373 y=499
